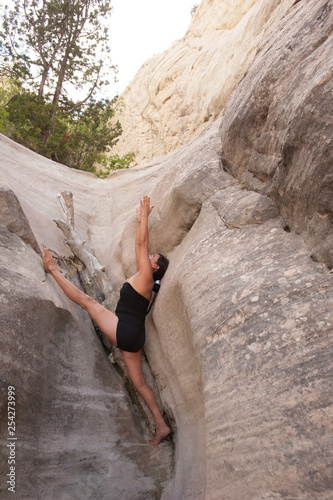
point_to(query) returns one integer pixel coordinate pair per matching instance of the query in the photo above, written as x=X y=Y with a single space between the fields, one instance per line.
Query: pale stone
x=176 y=94
x=277 y=127
x=246 y=384
x=78 y=435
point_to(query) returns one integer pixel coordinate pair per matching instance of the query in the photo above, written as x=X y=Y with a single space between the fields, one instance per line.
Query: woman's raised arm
x=143 y=281
x=142 y=234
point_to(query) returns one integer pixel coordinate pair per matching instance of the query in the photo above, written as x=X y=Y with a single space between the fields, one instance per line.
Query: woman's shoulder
x=142 y=285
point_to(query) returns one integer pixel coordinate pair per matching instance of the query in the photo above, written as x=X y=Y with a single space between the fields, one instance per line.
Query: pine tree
x=55 y=48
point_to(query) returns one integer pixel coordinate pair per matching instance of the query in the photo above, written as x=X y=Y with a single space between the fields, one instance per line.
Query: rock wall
x=77 y=433
x=277 y=127
x=176 y=94
x=240 y=337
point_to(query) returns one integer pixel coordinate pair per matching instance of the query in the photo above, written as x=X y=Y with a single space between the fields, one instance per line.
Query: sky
x=140 y=29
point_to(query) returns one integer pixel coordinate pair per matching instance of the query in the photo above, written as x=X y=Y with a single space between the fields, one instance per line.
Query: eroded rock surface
x=176 y=94
x=277 y=128
x=240 y=339
x=78 y=434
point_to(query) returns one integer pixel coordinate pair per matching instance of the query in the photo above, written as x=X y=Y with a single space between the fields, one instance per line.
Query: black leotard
x=131 y=311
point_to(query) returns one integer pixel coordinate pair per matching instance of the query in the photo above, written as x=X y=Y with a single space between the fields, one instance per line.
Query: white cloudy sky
x=141 y=28
x=138 y=30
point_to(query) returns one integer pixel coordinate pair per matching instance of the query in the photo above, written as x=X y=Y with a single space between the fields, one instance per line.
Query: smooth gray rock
x=78 y=435
x=14 y=219
x=277 y=127
x=240 y=339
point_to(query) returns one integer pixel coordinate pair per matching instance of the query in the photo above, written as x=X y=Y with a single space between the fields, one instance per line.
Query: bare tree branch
x=94 y=268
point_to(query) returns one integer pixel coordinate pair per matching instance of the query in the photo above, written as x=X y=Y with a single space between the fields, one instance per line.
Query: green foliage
x=8 y=89
x=51 y=47
x=4 y=125
x=90 y=134
x=29 y=117
x=115 y=162
x=78 y=140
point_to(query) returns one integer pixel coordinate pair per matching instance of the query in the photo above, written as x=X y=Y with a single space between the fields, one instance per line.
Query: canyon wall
x=176 y=94
x=240 y=338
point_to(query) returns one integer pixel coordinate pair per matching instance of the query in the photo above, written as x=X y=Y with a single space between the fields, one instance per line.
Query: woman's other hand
x=48 y=261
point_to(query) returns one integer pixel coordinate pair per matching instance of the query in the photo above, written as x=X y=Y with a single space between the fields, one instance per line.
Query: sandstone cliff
x=175 y=95
x=240 y=337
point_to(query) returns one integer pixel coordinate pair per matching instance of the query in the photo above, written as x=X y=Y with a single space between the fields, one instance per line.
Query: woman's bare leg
x=106 y=320
x=134 y=368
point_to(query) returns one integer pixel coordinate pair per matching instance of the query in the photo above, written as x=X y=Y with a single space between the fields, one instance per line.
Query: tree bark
x=94 y=268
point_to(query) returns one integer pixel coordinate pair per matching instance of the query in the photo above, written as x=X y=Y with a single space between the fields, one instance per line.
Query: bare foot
x=161 y=433
x=49 y=264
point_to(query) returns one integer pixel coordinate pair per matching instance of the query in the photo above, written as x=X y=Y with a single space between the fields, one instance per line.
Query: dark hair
x=163 y=263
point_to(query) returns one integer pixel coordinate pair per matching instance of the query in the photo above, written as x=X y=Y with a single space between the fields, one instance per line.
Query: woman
x=125 y=329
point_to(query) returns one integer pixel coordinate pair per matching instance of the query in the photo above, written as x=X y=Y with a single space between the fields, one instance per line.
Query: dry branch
x=93 y=267
x=96 y=273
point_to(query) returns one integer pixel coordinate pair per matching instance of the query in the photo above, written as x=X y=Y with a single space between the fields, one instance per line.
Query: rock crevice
x=240 y=336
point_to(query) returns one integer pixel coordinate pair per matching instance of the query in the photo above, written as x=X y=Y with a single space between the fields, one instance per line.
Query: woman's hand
x=48 y=261
x=144 y=209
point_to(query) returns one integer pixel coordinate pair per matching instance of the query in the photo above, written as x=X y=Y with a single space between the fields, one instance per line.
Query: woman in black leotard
x=126 y=328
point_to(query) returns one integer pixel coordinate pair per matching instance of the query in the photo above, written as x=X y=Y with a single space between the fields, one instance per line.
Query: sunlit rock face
x=277 y=127
x=76 y=432
x=176 y=94
x=240 y=337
